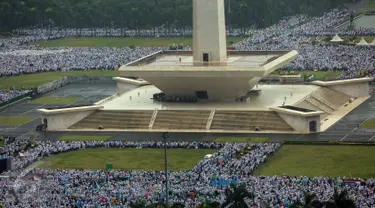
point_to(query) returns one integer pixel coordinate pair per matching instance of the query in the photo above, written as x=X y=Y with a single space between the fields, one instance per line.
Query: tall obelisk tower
x=209 y=35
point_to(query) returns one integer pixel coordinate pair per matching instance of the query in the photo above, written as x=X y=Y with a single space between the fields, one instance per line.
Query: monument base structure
x=217 y=79
x=178 y=75
x=276 y=109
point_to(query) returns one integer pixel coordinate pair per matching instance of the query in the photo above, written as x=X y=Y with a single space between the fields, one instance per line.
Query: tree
x=178 y=205
x=310 y=201
x=137 y=204
x=159 y=205
x=340 y=200
x=235 y=196
x=2 y=141
x=210 y=204
x=141 y=14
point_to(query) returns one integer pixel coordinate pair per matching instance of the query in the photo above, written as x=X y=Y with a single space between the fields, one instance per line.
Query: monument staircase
x=181 y=119
x=324 y=99
x=249 y=121
x=113 y=119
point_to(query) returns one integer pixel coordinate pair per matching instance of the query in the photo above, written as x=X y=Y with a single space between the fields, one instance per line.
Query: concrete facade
x=299 y=121
x=61 y=119
x=222 y=83
x=209 y=35
x=124 y=84
x=352 y=87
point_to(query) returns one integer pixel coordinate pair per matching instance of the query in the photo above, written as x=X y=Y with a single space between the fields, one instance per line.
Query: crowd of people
x=29 y=187
x=206 y=181
x=297 y=32
x=8 y=95
x=35 y=61
x=290 y=33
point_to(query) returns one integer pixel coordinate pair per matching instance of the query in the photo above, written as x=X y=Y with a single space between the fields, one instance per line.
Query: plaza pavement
x=344 y=130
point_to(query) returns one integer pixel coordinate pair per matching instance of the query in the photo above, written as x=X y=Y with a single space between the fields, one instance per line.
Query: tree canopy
x=147 y=13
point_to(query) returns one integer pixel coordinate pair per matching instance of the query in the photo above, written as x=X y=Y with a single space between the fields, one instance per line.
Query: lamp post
x=228 y=17
x=165 y=137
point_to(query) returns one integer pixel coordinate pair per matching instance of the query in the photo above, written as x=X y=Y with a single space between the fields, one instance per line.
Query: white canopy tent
x=336 y=39
x=372 y=43
x=362 y=42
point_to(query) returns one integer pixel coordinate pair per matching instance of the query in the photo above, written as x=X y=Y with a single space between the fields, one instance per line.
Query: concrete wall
x=90 y=80
x=209 y=35
x=299 y=123
x=360 y=89
x=64 y=120
x=218 y=88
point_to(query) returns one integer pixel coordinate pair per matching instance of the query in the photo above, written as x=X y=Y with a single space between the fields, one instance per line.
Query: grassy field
x=320 y=75
x=54 y=100
x=259 y=140
x=321 y=160
x=35 y=80
x=370 y=4
x=19 y=120
x=241 y=139
x=122 y=42
x=129 y=159
x=83 y=138
x=369 y=124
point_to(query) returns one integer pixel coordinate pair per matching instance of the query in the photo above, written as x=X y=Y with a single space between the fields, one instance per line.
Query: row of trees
x=236 y=195
x=148 y=13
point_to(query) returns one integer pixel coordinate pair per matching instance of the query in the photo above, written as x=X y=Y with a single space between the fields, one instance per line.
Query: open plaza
x=173 y=121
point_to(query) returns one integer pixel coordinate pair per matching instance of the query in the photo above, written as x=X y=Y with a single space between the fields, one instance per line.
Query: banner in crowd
x=352 y=182
x=222 y=182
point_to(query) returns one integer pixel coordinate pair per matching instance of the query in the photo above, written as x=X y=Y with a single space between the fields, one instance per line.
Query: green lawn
x=241 y=139
x=321 y=160
x=259 y=140
x=83 y=138
x=35 y=80
x=232 y=139
x=128 y=158
x=19 y=120
x=369 y=124
x=122 y=42
x=321 y=75
x=54 y=100
x=370 y=4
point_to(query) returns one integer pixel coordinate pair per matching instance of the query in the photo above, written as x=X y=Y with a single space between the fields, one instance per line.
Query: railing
x=210 y=119
x=153 y=118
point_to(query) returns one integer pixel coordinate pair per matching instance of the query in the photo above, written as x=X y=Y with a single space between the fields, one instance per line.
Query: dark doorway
x=312 y=126
x=205 y=57
x=45 y=122
x=202 y=95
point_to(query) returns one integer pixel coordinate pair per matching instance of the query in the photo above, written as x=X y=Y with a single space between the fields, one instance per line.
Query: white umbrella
x=336 y=39
x=362 y=42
